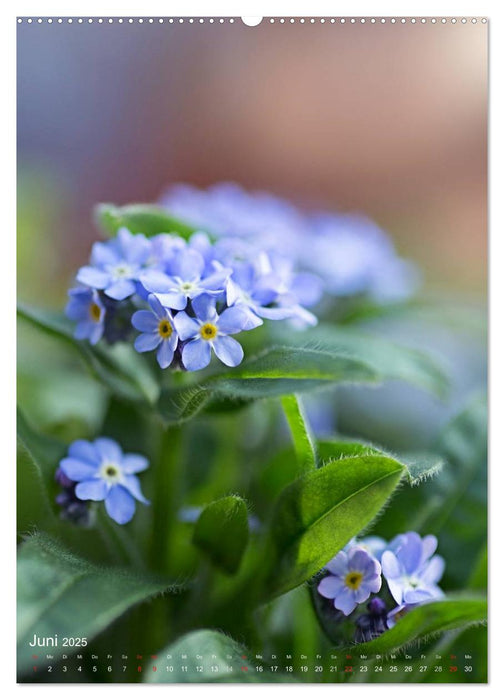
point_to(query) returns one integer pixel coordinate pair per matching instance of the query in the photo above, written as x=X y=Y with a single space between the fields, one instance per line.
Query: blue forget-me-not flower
x=157 y=331
x=353 y=576
x=209 y=331
x=103 y=473
x=116 y=265
x=411 y=570
x=85 y=307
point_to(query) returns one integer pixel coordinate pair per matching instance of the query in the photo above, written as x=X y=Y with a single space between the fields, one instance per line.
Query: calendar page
x=252 y=423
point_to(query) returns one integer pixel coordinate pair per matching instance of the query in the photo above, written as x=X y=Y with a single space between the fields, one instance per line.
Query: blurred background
x=387 y=120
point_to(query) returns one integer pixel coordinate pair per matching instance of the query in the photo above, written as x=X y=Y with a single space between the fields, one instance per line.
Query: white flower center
x=122 y=271
x=111 y=473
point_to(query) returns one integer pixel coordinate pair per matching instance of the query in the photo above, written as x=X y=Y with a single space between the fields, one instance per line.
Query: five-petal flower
x=354 y=575
x=412 y=573
x=104 y=473
x=157 y=331
x=209 y=331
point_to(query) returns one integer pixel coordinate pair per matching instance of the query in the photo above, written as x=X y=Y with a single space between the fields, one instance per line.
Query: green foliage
x=222 y=532
x=62 y=594
x=215 y=648
x=427 y=620
x=140 y=218
x=276 y=372
x=387 y=359
x=122 y=370
x=321 y=511
x=304 y=442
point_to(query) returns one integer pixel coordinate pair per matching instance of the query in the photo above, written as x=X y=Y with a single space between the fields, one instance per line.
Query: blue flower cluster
x=408 y=565
x=348 y=253
x=186 y=298
x=100 y=471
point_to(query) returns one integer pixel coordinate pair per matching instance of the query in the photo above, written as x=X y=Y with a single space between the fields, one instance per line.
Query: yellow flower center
x=165 y=329
x=94 y=312
x=208 y=331
x=353 y=580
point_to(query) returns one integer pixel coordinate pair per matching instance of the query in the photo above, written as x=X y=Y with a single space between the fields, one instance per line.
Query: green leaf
x=221 y=532
x=62 y=594
x=148 y=219
x=320 y=512
x=389 y=360
x=219 y=652
x=304 y=443
x=419 y=466
x=38 y=459
x=120 y=368
x=424 y=621
x=278 y=371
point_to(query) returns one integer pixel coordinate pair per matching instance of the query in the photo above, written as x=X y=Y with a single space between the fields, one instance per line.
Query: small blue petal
x=92 y=490
x=144 y=321
x=92 y=277
x=196 y=354
x=228 y=350
x=147 y=341
x=164 y=354
x=121 y=289
x=120 y=504
x=185 y=326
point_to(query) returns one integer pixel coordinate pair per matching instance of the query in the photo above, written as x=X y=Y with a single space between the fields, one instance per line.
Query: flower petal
x=390 y=565
x=429 y=546
x=156 y=306
x=157 y=282
x=121 y=289
x=85 y=451
x=338 y=564
x=144 y=321
x=92 y=277
x=109 y=449
x=196 y=354
x=330 y=587
x=133 y=463
x=233 y=320
x=434 y=569
x=204 y=307
x=120 y=504
x=147 y=341
x=228 y=350
x=345 y=601
x=188 y=264
x=186 y=326
x=164 y=354
x=76 y=470
x=92 y=490
x=133 y=485
x=173 y=300
x=410 y=552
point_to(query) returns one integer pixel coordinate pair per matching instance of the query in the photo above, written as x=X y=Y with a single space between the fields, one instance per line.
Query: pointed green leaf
x=320 y=512
x=62 y=594
x=148 y=219
x=388 y=359
x=304 y=443
x=221 y=532
x=276 y=372
x=424 y=621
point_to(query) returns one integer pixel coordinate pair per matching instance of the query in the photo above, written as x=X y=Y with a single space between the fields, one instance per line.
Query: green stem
x=167 y=496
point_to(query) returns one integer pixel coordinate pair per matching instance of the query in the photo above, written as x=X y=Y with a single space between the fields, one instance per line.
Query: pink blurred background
x=388 y=120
